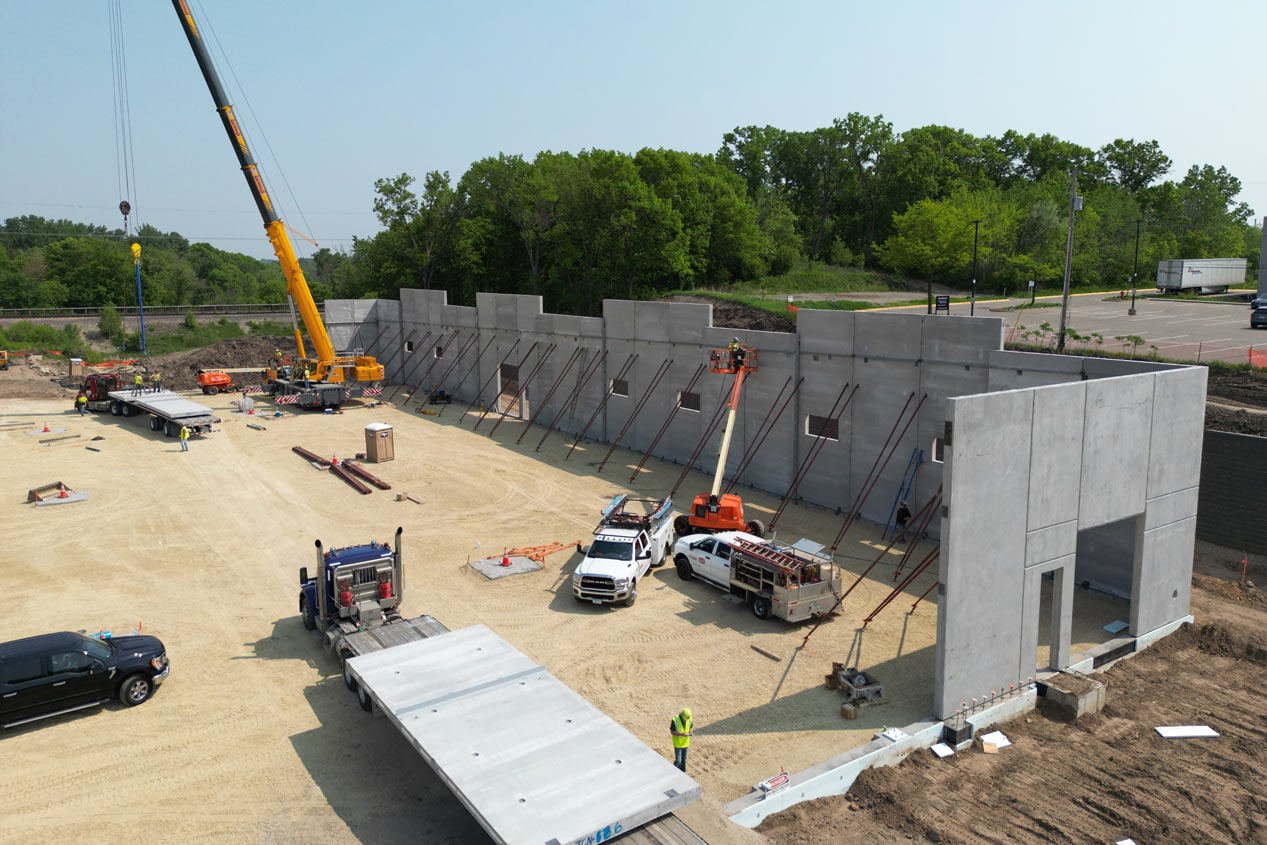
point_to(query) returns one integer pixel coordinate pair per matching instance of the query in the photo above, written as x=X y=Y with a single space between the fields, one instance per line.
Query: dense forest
x=580 y=227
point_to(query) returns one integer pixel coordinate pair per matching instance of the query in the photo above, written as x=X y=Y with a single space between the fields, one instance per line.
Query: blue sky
x=350 y=92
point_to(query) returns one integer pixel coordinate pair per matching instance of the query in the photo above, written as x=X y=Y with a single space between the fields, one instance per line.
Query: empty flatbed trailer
x=532 y=760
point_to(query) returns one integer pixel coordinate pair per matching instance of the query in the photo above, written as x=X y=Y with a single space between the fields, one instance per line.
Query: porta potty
x=379 y=443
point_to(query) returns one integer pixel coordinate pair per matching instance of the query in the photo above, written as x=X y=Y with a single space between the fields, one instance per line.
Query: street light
x=1135 y=269
x=976 y=229
x=1075 y=204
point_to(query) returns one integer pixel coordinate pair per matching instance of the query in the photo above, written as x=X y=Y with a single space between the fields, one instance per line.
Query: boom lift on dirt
x=330 y=378
x=711 y=512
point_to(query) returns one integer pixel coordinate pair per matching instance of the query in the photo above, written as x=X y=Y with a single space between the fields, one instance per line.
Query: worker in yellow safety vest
x=156 y=382
x=184 y=438
x=138 y=384
x=81 y=403
x=680 y=729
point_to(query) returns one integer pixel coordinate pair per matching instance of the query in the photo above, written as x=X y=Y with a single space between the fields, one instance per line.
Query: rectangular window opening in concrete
x=409 y=346
x=507 y=388
x=688 y=401
x=620 y=387
x=937 y=452
x=827 y=428
x=439 y=351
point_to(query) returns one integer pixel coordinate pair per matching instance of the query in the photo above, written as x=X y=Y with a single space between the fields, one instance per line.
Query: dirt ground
x=254 y=738
x=1108 y=776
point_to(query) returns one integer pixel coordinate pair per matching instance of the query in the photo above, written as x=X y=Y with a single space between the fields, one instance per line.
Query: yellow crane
x=329 y=378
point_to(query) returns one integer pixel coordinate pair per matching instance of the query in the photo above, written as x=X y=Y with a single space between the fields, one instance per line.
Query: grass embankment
x=69 y=341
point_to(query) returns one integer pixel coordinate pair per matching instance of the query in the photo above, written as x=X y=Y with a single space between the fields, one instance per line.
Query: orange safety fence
x=1257 y=358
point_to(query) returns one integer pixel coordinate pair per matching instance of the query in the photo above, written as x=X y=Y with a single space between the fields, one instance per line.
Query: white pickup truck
x=626 y=545
x=793 y=582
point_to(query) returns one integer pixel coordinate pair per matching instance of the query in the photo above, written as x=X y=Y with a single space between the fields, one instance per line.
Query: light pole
x=976 y=230
x=1075 y=204
x=1135 y=270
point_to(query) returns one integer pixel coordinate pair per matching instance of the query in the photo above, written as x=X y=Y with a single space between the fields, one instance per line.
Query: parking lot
x=1176 y=329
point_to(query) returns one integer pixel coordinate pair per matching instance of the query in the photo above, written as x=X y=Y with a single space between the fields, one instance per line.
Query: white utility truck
x=788 y=582
x=626 y=545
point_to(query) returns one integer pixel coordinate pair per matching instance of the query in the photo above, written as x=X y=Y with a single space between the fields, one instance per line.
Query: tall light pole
x=1075 y=204
x=976 y=230
x=1135 y=270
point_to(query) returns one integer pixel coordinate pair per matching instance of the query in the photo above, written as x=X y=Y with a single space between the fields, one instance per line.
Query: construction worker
x=81 y=404
x=307 y=376
x=736 y=354
x=902 y=520
x=680 y=730
x=184 y=438
x=138 y=385
x=156 y=382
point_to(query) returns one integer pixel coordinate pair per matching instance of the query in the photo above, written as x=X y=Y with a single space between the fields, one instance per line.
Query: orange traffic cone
x=334 y=460
x=505 y=558
x=61 y=493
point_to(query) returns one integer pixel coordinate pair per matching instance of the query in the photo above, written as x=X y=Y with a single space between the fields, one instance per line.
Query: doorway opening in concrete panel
x=509 y=400
x=1105 y=582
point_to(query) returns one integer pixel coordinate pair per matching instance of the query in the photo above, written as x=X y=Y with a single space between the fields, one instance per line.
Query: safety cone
x=61 y=493
x=505 y=558
x=45 y=428
x=334 y=460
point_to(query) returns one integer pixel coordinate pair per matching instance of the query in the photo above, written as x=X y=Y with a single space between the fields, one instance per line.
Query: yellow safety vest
x=139 y=380
x=184 y=432
x=681 y=741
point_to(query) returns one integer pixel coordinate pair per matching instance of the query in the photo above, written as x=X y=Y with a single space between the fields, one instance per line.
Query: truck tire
x=760 y=607
x=211 y=391
x=156 y=424
x=668 y=553
x=116 y=407
x=363 y=699
x=756 y=527
x=310 y=620
x=682 y=525
x=170 y=429
x=135 y=689
x=633 y=594
x=128 y=410
x=683 y=568
x=348 y=680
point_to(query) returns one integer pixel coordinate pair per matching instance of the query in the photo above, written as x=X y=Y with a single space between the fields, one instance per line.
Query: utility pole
x=976 y=230
x=1075 y=204
x=1135 y=270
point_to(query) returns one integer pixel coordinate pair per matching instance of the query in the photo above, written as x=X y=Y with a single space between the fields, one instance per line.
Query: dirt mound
x=179 y=369
x=1095 y=780
x=1248 y=387
x=1235 y=420
x=732 y=315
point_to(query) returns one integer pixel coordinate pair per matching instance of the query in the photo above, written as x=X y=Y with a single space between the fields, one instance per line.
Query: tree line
x=580 y=227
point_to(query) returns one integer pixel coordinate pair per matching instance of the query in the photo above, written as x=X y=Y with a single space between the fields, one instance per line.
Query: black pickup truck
x=52 y=674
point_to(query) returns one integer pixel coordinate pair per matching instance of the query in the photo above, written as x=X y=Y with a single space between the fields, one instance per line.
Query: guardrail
x=155 y=310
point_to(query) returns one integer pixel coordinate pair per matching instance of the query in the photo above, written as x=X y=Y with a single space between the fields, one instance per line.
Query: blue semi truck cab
x=353 y=603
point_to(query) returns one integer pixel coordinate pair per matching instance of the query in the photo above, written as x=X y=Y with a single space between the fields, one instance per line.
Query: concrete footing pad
x=492 y=569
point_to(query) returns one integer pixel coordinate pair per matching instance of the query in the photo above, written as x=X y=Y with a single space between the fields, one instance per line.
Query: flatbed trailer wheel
x=348 y=680
x=170 y=429
x=116 y=407
x=156 y=424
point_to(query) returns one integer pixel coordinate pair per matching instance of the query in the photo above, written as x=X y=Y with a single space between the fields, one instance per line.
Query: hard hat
x=686 y=711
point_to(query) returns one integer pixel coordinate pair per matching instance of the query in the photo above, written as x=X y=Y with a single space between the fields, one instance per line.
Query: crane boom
x=330 y=367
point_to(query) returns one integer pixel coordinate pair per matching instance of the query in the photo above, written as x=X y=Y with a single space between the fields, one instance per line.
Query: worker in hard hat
x=736 y=354
x=81 y=403
x=138 y=385
x=902 y=521
x=680 y=730
x=156 y=382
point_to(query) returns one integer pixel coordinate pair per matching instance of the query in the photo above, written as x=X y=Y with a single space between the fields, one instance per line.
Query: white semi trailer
x=1206 y=275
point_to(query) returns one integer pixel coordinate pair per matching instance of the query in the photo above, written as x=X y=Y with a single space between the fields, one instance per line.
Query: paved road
x=1182 y=330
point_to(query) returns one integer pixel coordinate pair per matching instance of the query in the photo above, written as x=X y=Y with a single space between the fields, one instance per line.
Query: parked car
x=52 y=674
x=1259 y=301
x=1258 y=318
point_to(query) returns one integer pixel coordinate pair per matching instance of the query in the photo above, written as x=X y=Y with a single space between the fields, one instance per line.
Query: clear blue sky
x=347 y=92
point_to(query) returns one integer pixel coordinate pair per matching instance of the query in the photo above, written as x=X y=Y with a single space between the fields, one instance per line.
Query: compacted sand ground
x=254 y=737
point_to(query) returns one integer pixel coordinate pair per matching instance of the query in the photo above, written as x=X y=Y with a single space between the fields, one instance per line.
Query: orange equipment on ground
x=710 y=511
x=214 y=381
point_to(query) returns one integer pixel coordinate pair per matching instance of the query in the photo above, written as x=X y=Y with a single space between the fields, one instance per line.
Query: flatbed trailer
x=530 y=759
x=168 y=411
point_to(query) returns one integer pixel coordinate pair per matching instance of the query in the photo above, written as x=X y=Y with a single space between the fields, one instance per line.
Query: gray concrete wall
x=1037 y=479
x=1041 y=447
x=1233 y=500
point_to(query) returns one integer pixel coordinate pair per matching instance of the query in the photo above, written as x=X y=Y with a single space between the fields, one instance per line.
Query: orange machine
x=711 y=512
x=214 y=381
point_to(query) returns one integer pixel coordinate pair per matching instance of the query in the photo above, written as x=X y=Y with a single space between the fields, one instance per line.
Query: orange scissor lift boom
x=713 y=511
